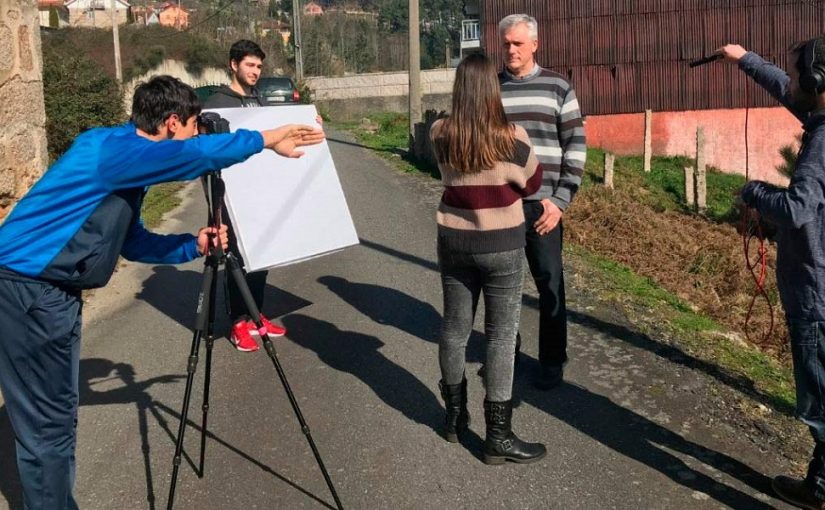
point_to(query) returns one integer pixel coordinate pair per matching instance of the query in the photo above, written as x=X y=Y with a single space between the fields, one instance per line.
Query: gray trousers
x=464 y=276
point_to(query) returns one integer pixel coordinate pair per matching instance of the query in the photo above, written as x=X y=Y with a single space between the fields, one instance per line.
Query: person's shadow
x=124 y=389
x=93 y=371
x=394 y=308
x=641 y=439
x=181 y=304
x=360 y=355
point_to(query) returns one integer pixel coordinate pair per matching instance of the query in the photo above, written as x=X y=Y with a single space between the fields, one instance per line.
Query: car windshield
x=269 y=84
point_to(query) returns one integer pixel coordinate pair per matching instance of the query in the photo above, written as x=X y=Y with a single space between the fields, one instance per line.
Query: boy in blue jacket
x=66 y=234
x=798 y=213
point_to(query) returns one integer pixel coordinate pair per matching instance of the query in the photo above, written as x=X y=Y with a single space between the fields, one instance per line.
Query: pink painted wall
x=674 y=134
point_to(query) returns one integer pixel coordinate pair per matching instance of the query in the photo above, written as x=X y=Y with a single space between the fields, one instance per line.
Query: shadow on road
x=174 y=293
x=643 y=440
x=625 y=334
x=125 y=389
x=360 y=355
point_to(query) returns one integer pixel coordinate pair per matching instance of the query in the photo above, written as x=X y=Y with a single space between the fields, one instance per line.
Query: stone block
x=6 y=51
x=14 y=110
x=25 y=48
x=8 y=186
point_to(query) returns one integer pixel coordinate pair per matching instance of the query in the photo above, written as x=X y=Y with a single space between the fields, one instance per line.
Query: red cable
x=753 y=229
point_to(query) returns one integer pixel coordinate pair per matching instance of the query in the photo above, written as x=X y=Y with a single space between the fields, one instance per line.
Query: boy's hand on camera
x=211 y=233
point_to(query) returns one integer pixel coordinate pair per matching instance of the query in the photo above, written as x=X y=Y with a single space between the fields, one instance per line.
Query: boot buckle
x=507 y=444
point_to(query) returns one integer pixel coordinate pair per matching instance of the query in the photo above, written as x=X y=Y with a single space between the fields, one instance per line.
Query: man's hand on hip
x=549 y=219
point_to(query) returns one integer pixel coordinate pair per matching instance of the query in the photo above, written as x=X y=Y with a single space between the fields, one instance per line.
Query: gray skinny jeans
x=463 y=277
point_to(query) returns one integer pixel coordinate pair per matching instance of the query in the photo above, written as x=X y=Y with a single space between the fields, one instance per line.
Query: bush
x=79 y=95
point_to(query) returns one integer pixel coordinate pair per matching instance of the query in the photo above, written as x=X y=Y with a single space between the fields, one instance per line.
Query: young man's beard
x=243 y=81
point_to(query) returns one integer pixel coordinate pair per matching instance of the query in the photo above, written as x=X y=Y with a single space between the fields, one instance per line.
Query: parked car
x=206 y=92
x=276 y=90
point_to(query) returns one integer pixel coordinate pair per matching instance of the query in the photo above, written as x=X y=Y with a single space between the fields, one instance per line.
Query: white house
x=97 y=13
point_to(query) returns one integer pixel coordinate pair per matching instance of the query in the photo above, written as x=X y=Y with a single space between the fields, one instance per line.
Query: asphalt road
x=625 y=431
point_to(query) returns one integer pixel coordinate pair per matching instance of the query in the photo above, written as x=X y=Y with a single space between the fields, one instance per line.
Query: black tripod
x=204 y=324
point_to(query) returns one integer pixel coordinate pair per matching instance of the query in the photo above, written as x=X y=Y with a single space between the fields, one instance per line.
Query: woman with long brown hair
x=487 y=165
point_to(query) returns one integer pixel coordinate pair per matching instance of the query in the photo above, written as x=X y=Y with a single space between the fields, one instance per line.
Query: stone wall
x=23 y=151
x=176 y=68
x=351 y=97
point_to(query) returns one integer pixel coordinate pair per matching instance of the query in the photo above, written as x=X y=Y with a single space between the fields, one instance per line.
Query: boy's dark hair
x=245 y=48
x=159 y=98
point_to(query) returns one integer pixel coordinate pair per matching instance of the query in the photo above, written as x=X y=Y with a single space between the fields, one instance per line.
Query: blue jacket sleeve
x=771 y=78
x=144 y=246
x=132 y=161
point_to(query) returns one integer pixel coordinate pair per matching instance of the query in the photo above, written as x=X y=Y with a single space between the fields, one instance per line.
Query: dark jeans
x=464 y=276
x=255 y=281
x=808 y=349
x=544 y=257
x=39 y=365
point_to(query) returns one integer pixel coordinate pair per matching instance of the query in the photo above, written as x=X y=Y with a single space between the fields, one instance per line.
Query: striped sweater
x=481 y=212
x=545 y=104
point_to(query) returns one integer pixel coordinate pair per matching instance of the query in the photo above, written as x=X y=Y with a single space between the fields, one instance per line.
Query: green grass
x=664 y=185
x=160 y=199
x=390 y=140
x=699 y=335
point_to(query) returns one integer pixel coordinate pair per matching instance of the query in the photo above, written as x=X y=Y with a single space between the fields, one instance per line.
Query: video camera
x=210 y=123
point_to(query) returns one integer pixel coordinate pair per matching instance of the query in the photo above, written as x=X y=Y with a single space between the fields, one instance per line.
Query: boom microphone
x=705 y=60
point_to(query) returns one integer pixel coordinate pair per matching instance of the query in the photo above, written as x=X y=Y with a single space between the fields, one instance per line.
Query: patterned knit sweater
x=545 y=104
x=481 y=212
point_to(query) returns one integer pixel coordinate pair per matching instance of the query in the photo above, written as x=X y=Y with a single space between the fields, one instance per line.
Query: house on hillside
x=45 y=9
x=97 y=13
x=275 y=28
x=626 y=58
x=313 y=9
x=172 y=15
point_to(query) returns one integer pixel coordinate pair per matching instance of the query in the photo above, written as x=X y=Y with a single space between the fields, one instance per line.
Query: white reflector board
x=285 y=210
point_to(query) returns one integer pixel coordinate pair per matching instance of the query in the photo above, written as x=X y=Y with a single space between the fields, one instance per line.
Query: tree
x=79 y=95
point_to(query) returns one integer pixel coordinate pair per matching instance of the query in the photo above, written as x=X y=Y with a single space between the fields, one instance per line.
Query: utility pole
x=296 y=36
x=116 y=36
x=415 y=69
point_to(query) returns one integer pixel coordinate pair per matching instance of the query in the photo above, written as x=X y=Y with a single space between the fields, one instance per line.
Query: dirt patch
x=701 y=262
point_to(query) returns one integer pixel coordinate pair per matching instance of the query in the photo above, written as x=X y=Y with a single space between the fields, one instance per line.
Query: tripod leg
x=210 y=342
x=235 y=271
x=191 y=367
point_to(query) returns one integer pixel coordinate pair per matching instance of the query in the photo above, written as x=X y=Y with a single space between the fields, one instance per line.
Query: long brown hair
x=477 y=134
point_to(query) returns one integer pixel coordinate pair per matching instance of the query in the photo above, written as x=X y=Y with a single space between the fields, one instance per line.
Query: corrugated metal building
x=626 y=56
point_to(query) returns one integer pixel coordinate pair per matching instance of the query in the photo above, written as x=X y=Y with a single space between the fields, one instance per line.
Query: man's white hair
x=509 y=22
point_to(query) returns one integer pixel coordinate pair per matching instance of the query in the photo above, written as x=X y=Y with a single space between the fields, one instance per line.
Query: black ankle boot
x=455 y=400
x=502 y=444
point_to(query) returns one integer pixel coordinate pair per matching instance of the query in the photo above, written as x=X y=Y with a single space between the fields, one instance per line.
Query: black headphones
x=811 y=73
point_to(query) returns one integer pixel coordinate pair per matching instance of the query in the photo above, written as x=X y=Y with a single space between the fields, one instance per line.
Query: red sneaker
x=241 y=338
x=271 y=329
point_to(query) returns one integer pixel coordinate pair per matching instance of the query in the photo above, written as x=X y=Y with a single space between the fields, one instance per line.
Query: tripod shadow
x=360 y=355
x=642 y=440
x=395 y=308
x=158 y=291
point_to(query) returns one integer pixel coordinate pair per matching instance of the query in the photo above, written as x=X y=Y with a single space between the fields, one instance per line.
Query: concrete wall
x=209 y=76
x=351 y=97
x=674 y=134
x=23 y=150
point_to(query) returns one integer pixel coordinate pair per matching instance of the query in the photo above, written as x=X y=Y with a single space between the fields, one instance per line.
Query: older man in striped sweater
x=544 y=104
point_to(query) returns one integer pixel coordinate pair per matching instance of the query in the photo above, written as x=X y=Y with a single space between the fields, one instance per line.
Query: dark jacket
x=225 y=97
x=798 y=211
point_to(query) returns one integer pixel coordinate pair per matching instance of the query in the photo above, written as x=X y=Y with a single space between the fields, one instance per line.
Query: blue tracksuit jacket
x=85 y=210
